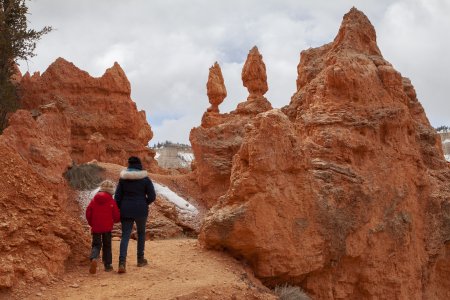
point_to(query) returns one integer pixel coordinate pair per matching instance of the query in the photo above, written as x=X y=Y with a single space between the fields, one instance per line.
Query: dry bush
x=85 y=176
x=287 y=292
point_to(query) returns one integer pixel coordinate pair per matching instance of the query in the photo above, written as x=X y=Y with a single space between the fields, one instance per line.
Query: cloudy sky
x=167 y=46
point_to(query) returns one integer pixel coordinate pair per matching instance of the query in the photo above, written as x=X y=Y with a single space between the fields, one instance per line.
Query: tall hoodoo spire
x=254 y=74
x=357 y=33
x=215 y=87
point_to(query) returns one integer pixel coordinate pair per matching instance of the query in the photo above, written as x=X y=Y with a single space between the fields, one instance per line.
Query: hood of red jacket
x=102 y=198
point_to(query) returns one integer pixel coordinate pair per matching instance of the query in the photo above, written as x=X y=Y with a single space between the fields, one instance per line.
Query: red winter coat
x=102 y=212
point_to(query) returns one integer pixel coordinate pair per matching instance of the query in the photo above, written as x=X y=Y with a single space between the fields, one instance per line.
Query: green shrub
x=287 y=292
x=85 y=176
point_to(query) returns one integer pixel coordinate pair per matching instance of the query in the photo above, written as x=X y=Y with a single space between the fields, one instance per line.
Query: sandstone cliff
x=345 y=191
x=220 y=135
x=38 y=232
x=105 y=123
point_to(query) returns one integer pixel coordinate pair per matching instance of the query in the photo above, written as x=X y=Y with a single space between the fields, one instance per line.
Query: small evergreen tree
x=17 y=42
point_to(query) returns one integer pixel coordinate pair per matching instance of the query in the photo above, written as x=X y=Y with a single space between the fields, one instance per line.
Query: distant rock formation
x=215 y=87
x=344 y=191
x=38 y=232
x=220 y=135
x=105 y=123
x=174 y=156
x=445 y=138
x=17 y=75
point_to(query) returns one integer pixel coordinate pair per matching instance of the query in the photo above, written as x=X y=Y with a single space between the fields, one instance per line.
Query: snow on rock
x=447 y=157
x=171 y=196
x=157 y=155
x=84 y=197
x=186 y=156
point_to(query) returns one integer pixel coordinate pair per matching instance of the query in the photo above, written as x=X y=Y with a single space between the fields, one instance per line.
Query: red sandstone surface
x=215 y=88
x=105 y=123
x=38 y=231
x=220 y=135
x=345 y=191
x=254 y=74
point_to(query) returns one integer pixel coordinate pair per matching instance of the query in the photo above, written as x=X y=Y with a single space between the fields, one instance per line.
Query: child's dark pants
x=97 y=240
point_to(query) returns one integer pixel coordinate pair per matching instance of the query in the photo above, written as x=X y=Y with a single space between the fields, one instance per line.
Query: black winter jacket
x=134 y=193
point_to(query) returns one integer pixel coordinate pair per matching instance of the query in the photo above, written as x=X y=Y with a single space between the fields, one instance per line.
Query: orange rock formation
x=345 y=191
x=38 y=233
x=254 y=74
x=105 y=124
x=220 y=135
x=215 y=87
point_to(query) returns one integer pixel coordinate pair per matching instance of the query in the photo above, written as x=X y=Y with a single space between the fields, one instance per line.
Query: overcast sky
x=166 y=47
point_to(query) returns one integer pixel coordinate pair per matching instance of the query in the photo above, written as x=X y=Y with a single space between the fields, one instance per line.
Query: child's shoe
x=93 y=266
x=108 y=268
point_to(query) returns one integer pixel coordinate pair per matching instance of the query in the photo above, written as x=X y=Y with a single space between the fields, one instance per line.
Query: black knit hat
x=134 y=163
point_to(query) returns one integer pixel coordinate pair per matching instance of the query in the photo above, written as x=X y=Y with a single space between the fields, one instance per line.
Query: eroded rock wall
x=38 y=231
x=219 y=137
x=105 y=123
x=345 y=191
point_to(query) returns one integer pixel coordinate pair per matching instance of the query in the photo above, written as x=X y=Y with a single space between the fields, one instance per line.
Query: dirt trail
x=178 y=269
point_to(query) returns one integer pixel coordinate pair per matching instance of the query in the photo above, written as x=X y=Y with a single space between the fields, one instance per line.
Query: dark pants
x=127 y=226
x=97 y=240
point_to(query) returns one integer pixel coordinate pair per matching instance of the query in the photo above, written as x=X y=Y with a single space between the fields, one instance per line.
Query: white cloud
x=167 y=47
x=413 y=37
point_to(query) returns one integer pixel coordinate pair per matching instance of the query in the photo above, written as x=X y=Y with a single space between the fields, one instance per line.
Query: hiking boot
x=108 y=268
x=122 y=268
x=142 y=262
x=93 y=266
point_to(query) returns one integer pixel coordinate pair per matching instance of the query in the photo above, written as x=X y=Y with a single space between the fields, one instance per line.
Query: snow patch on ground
x=447 y=157
x=157 y=155
x=171 y=196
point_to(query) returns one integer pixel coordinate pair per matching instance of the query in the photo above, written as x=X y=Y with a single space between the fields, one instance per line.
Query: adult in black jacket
x=133 y=195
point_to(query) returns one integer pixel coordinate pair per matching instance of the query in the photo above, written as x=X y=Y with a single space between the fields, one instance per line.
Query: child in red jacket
x=101 y=214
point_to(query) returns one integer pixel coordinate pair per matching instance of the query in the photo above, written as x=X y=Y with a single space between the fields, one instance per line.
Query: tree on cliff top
x=17 y=42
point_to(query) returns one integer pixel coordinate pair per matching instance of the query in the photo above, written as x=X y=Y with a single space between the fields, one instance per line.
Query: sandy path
x=178 y=269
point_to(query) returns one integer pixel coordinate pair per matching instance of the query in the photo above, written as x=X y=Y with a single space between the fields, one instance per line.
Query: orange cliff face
x=220 y=135
x=345 y=191
x=105 y=123
x=39 y=232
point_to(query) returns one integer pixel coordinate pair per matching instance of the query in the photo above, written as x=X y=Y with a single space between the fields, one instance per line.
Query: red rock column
x=215 y=87
x=254 y=74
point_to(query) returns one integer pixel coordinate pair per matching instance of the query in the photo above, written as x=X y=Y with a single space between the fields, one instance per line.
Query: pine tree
x=17 y=42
